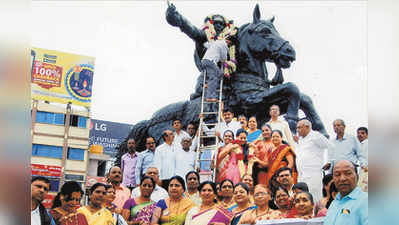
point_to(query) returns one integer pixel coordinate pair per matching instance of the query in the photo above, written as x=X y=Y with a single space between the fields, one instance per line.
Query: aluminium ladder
x=206 y=154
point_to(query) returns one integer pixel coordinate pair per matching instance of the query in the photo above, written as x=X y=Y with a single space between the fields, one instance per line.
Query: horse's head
x=261 y=39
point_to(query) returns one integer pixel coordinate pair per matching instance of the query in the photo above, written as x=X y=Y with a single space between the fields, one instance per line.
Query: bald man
x=351 y=203
x=310 y=151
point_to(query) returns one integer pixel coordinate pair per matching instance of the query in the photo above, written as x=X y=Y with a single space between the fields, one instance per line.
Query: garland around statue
x=229 y=30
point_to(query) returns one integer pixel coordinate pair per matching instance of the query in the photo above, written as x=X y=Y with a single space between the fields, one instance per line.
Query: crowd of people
x=261 y=174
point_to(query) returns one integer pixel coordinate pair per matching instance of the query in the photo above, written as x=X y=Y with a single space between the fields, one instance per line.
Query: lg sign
x=101 y=127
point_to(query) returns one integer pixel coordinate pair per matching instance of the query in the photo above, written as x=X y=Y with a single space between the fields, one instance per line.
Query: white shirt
x=179 y=137
x=35 y=217
x=185 y=162
x=233 y=126
x=158 y=193
x=365 y=146
x=216 y=51
x=311 y=156
x=194 y=144
x=283 y=126
x=165 y=160
x=311 y=150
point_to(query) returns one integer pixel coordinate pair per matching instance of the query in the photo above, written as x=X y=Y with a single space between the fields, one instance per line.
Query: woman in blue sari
x=253 y=131
x=242 y=199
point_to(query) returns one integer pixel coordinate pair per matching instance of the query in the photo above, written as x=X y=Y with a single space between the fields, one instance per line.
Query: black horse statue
x=248 y=91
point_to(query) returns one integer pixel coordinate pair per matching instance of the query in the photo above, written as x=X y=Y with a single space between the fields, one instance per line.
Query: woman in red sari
x=65 y=204
x=227 y=162
x=263 y=146
x=281 y=155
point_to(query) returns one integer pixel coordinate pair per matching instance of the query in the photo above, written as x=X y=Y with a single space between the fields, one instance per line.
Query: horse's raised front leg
x=306 y=105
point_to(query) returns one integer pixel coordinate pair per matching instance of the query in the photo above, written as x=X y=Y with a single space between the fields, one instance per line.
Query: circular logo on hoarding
x=79 y=82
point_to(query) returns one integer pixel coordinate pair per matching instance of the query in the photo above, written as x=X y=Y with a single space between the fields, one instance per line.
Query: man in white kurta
x=310 y=153
x=185 y=158
x=281 y=125
x=179 y=133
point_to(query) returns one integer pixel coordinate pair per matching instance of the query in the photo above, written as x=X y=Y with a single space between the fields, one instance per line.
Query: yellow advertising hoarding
x=61 y=77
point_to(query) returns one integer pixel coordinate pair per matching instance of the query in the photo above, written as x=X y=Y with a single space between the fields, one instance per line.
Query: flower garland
x=229 y=30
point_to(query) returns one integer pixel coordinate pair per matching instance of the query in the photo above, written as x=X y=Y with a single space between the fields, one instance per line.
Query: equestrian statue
x=247 y=88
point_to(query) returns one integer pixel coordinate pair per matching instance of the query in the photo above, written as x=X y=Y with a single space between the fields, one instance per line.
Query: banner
x=293 y=221
x=61 y=77
x=90 y=181
x=45 y=170
x=105 y=136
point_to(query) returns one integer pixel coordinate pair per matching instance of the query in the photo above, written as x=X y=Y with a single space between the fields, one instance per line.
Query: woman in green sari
x=138 y=211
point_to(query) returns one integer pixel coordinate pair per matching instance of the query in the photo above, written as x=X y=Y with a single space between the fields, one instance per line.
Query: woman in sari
x=208 y=213
x=138 y=210
x=249 y=181
x=304 y=206
x=172 y=210
x=227 y=191
x=282 y=201
x=95 y=212
x=241 y=197
x=226 y=164
x=281 y=155
x=245 y=153
x=109 y=198
x=253 y=131
x=65 y=204
x=262 y=212
x=263 y=146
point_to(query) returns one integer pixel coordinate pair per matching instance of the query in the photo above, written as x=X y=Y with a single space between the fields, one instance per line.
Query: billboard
x=61 y=77
x=105 y=136
x=45 y=170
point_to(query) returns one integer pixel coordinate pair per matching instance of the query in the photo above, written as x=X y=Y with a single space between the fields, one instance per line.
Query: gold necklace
x=256 y=213
x=170 y=210
x=201 y=209
x=241 y=209
x=227 y=204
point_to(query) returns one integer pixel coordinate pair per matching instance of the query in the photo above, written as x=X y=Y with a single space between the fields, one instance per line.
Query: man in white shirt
x=39 y=189
x=362 y=136
x=310 y=159
x=178 y=133
x=165 y=158
x=227 y=124
x=185 y=158
x=278 y=124
x=158 y=193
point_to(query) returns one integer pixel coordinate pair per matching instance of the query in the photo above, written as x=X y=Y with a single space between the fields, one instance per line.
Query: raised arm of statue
x=175 y=19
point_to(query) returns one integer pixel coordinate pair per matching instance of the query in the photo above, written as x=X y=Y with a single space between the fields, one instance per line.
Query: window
x=76 y=154
x=50 y=118
x=78 y=121
x=47 y=151
x=82 y=122
x=54 y=184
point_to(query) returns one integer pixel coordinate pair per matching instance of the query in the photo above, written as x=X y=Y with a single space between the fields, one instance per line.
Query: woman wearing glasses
x=262 y=212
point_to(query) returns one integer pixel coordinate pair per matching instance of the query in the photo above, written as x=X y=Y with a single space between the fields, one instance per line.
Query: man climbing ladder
x=216 y=52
